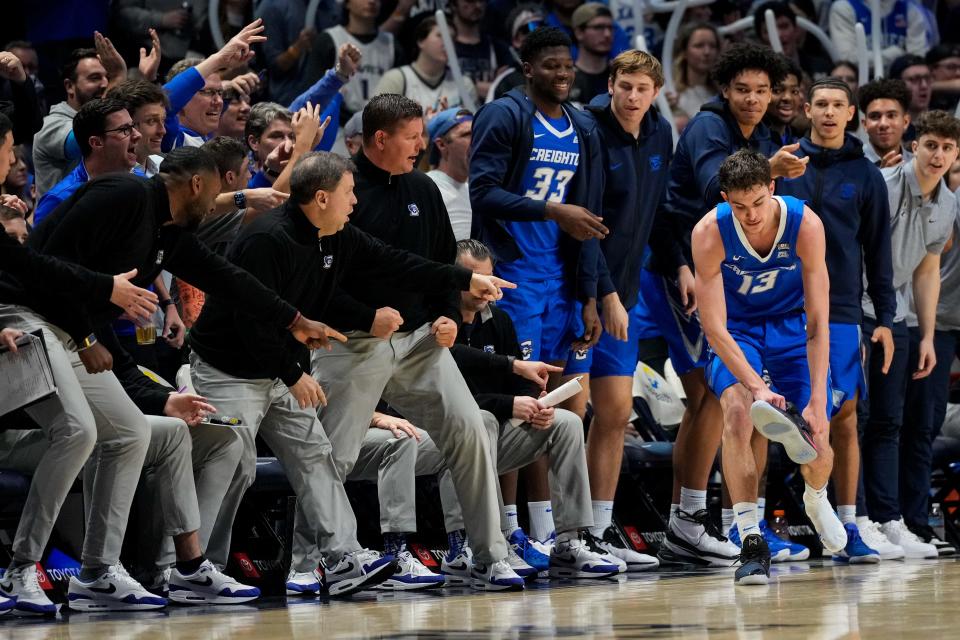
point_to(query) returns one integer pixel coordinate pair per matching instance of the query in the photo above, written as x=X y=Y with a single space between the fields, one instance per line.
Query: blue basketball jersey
x=552 y=163
x=762 y=287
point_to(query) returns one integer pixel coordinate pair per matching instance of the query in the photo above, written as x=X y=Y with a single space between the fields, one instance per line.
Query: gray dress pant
x=297 y=438
x=421 y=381
x=88 y=410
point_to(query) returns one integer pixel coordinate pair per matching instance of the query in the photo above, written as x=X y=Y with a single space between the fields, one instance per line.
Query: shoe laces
x=906 y=535
x=119 y=574
x=365 y=556
x=612 y=538
x=29 y=580
x=754 y=549
x=702 y=518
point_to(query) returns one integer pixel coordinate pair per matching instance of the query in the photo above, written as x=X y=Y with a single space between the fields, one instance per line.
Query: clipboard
x=26 y=376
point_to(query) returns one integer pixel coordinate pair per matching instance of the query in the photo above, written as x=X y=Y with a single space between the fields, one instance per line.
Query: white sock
x=814 y=496
x=602 y=516
x=761 y=508
x=692 y=500
x=848 y=513
x=726 y=520
x=541 y=519
x=509 y=512
x=745 y=515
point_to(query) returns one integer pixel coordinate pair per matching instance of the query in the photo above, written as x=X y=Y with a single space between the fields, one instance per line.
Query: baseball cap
x=354 y=125
x=441 y=123
x=587 y=12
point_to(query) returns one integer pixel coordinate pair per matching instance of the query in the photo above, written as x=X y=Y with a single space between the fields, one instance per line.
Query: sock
x=692 y=500
x=813 y=496
x=602 y=516
x=509 y=512
x=89 y=574
x=394 y=543
x=541 y=520
x=848 y=513
x=190 y=567
x=456 y=540
x=564 y=537
x=745 y=515
x=761 y=508
x=726 y=520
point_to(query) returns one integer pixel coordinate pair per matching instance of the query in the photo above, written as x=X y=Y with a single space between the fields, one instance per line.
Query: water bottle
x=779 y=525
x=936 y=520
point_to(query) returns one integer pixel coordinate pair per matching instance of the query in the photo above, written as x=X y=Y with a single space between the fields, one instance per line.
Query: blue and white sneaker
x=524 y=547
x=21 y=590
x=209 y=585
x=359 y=570
x=304 y=583
x=496 y=576
x=856 y=551
x=411 y=575
x=113 y=591
x=779 y=551
x=575 y=559
x=797 y=551
x=455 y=567
x=520 y=566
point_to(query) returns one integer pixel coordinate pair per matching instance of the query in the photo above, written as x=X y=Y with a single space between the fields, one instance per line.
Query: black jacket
x=282 y=250
x=405 y=212
x=119 y=222
x=19 y=102
x=484 y=352
x=59 y=277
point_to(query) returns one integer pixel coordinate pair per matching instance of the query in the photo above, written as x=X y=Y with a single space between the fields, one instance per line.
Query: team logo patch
x=414 y=211
x=848 y=190
x=489 y=348
x=580 y=354
x=327 y=262
x=526 y=349
x=159 y=257
x=656 y=161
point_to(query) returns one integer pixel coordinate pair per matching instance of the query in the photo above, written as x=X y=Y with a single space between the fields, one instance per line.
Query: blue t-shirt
x=762 y=287
x=552 y=164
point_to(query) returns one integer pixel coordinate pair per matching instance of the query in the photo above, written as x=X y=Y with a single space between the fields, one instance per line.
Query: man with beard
x=55 y=150
x=153 y=233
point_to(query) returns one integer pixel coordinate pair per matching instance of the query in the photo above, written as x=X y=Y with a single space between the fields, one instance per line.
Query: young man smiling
x=885 y=104
x=848 y=193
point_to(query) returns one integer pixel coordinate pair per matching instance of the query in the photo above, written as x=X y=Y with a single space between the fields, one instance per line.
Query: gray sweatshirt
x=50 y=159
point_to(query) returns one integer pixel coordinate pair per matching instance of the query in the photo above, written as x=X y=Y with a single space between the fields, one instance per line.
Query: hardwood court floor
x=916 y=599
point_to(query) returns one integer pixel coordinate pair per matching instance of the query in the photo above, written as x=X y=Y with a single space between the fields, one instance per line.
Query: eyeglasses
x=924 y=79
x=952 y=67
x=210 y=93
x=123 y=132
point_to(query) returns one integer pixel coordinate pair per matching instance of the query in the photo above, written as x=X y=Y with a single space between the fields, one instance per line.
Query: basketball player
x=763 y=291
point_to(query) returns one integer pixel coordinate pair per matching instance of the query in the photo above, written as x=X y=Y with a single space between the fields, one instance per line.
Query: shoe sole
x=479 y=584
x=946 y=553
x=390 y=585
x=753 y=580
x=195 y=598
x=782 y=556
x=799 y=557
x=773 y=425
x=31 y=613
x=575 y=574
x=87 y=604
x=671 y=553
x=366 y=581
x=291 y=592
x=640 y=568
x=451 y=580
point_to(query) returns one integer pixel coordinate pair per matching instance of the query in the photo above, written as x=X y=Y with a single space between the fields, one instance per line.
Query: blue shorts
x=846 y=361
x=684 y=336
x=545 y=317
x=777 y=347
x=612 y=357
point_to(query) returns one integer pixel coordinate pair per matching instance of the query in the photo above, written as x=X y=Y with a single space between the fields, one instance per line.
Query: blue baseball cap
x=441 y=124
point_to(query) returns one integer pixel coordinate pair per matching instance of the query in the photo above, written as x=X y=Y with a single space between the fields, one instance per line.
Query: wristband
x=87 y=342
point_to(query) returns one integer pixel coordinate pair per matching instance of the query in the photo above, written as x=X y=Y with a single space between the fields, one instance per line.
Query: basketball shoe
x=525 y=549
x=694 y=539
x=913 y=547
x=456 y=567
x=612 y=544
x=573 y=558
x=926 y=534
x=21 y=589
x=496 y=576
x=303 y=583
x=754 y=561
x=359 y=570
x=874 y=538
x=857 y=551
x=113 y=591
x=411 y=575
x=784 y=427
x=209 y=585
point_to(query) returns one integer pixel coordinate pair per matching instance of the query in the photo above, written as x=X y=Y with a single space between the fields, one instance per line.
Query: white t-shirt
x=456 y=197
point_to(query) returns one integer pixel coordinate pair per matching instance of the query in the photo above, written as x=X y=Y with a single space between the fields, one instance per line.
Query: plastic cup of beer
x=146 y=333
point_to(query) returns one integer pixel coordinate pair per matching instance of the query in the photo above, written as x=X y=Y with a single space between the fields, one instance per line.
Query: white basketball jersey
x=377 y=58
x=429 y=97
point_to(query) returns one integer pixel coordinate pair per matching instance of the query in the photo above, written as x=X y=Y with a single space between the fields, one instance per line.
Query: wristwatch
x=87 y=342
x=240 y=200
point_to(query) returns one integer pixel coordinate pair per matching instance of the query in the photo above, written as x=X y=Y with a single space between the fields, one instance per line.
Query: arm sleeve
x=477 y=362
x=346 y=313
x=149 y=396
x=842 y=25
x=445 y=304
x=710 y=150
x=192 y=261
x=321 y=93
x=875 y=236
x=48 y=202
x=491 y=155
x=36 y=270
x=180 y=90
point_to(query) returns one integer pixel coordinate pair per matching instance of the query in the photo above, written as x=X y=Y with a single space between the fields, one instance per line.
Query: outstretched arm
x=811 y=248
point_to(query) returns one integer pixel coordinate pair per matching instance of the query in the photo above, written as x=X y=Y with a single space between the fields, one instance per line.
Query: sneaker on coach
x=874 y=538
x=897 y=533
x=304 y=583
x=926 y=534
x=22 y=588
x=574 y=559
x=358 y=570
x=612 y=544
x=857 y=551
x=209 y=585
x=158 y=584
x=524 y=547
x=696 y=540
x=496 y=576
x=113 y=591
x=455 y=569
x=411 y=575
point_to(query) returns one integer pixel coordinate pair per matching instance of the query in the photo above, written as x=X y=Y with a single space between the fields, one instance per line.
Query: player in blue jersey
x=763 y=293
